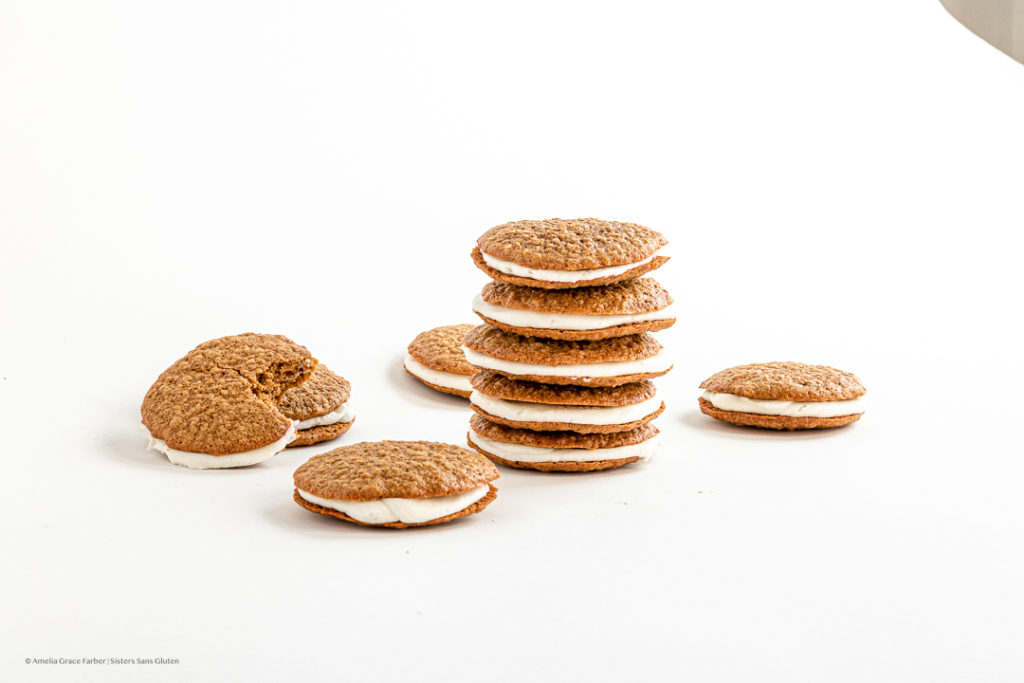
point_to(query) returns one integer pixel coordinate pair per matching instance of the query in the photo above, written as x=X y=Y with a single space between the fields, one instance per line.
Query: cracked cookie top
x=222 y=397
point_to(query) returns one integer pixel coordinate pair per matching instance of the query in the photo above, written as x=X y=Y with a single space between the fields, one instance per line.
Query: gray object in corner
x=1000 y=22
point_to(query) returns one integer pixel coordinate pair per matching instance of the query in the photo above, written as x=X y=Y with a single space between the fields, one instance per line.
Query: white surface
x=743 y=404
x=563 y=321
x=408 y=510
x=206 y=461
x=559 y=275
x=840 y=182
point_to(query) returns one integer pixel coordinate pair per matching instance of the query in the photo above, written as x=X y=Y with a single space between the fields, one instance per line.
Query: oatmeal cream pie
x=559 y=253
x=217 y=407
x=435 y=358
x=319 y=407
x=614 y=310
x=553 y=407
x=603 y=362
x=560 y=451
x=396 y=484
x=783 y=396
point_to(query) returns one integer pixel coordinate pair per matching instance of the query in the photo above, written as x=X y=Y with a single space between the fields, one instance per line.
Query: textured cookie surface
x=564 y=466
x=623 y=330
x=308 y=437
x=221 y=397
x=322 y=393
x=643 y=295
x=497 y=343
x=775 y=421
x=499 y=386
x=786 y=381
x=568 y=426
x=479 y=505
x=642 y=269
x=570 y=244
x=526 y=437
x=394 y=469
x=441 y=349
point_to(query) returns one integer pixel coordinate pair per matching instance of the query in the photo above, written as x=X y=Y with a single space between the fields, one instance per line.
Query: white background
x=841 y=183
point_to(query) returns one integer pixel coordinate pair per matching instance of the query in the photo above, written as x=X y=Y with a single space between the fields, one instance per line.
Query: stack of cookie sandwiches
x=239 y=400
x=566 y=355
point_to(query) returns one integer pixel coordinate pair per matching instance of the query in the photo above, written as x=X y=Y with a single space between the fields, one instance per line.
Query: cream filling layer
x=659 y=362
x=510 y=268
x=448 y=380
x=517 y=452
x=521 y=411
x=406 y=510
x=205 y=461
x=343 y=413
x=562 y=321
x=741 y=404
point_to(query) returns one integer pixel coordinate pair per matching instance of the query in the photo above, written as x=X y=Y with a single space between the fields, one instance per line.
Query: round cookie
x=560 y=451
x=217 y=406
x=396 y=484
x=783 y=396
x=603 y=362
x=553 y=407
x=559 y=253
x=319 y=406
x=435 y=358
x=614 y=310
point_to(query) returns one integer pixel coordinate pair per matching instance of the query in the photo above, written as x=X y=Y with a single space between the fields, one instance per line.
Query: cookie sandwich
x=396 y=484
x=603 y=362
x=560 y=451
x=435 y=358
x=559 y=253
x=319 y=407
x=217 y=407
x=786 y=396
x=555 y=407
x=581 y=313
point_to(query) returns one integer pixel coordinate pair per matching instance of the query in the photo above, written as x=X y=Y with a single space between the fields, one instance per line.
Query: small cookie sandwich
x=217 y=406
x=614 y=310
x=319 y=407
x=560 y=451
x=435 y=358
x=560 y=254
x=396 y=484
x=783 y=396
x=553 y=407
x=603 y=362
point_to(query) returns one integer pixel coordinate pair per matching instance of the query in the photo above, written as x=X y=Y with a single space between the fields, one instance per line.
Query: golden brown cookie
x=435 y=358
x=563 y=253
x=615 y=310
x=604 y=362
x=319 y=406
x=783 y=395
x=221 y=399
x=560 y=451
x=552 y=407
x=396 y=484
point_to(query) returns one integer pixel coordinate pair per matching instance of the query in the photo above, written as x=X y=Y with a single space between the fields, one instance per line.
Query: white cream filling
x=510 y=268
x=521 y=411
x=406 y=510
x=448 y=380
x=659 y=362
x=741 y=404
x=517 y=452
x=562 y=321
x=343 y=413
x=205 y=461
